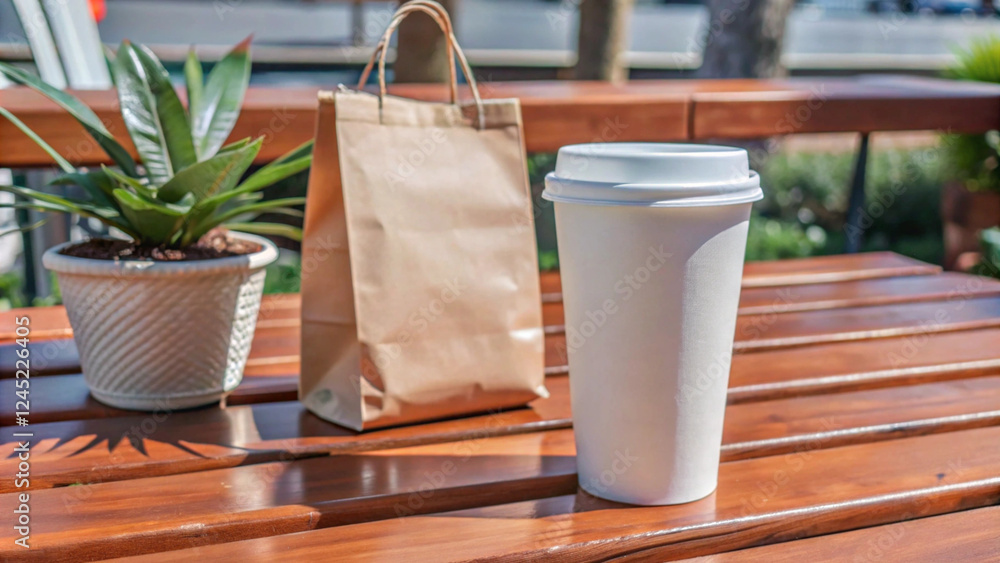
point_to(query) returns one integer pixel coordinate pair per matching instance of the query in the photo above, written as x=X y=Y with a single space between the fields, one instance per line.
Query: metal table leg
x=856 y=205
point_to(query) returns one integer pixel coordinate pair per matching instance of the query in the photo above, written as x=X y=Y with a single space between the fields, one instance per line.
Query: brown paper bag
x=420 y=290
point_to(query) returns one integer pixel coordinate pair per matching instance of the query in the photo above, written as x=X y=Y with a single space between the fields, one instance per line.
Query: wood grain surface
x=102 y=450
x=970 y=535
x=762 y=375
x=763 y=500
x=865 y=396
x=51 y=322
x=863 y=104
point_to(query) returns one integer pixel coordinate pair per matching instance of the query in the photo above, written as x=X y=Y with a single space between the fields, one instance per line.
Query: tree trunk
x=744 y=38
x=603 y=40
x=421 y=52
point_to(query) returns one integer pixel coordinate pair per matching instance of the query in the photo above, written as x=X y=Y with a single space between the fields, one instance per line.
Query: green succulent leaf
x=214 y=112
x=236 y=145
x=37 y=206
x=24 y=229
x=278 y=229
x=62 y=162
x=247 y=198
x=281 y=206
x=191 y=181
x=303 y=150
x=156 y=223
x=125 y=182
x=153 y=113
x=97 y=183
x=75 y=205
x=266 y=176
x=274 y=173
x=91 y=123
x=109 y=61
x=59 y=204
x=209 y=177
x=195 y=83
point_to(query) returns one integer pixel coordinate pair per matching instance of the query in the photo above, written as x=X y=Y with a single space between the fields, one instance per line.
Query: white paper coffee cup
x=651 y=244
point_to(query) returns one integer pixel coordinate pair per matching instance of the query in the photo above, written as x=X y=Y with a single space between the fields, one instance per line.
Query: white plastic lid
x=652 y=175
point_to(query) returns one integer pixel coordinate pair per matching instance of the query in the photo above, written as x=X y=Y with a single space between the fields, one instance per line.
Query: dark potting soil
x=215 y=244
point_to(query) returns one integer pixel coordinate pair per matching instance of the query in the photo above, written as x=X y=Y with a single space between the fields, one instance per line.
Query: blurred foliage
x=990 y=262
x=974 y=159
x=805 y=205
x=771 y=239
x=285 y=274
x=810 y=191
x=548 y=260
x=979 y=62
x=11 y=295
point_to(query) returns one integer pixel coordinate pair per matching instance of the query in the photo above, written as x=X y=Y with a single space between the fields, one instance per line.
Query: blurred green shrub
x=12 y=292
x=810 y=190
x=11 y=295
x=285 y=274
x=772 y=239
x=975 y=159
x=989 y=265
x=805 y=205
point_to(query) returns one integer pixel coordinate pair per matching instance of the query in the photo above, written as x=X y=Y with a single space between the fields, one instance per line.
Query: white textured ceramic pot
x=162 y=335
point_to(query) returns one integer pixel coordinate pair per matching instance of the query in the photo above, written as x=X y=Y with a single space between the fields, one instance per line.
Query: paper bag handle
x=440 y=16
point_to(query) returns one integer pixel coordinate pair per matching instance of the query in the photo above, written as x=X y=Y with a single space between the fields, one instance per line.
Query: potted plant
x=163 y=317
x=971 y=201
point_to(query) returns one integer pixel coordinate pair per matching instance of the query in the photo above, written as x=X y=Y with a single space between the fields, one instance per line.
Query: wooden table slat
x=862 y=293
x=908 y=357
x=52 y=323
x=102 y=450
x=769 y=499
x=863 y=364
x=771 y=331
x=970 y=535
x=783 y=317
x=765 y=375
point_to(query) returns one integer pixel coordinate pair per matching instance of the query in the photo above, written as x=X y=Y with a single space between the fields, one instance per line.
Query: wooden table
x=863 y=424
